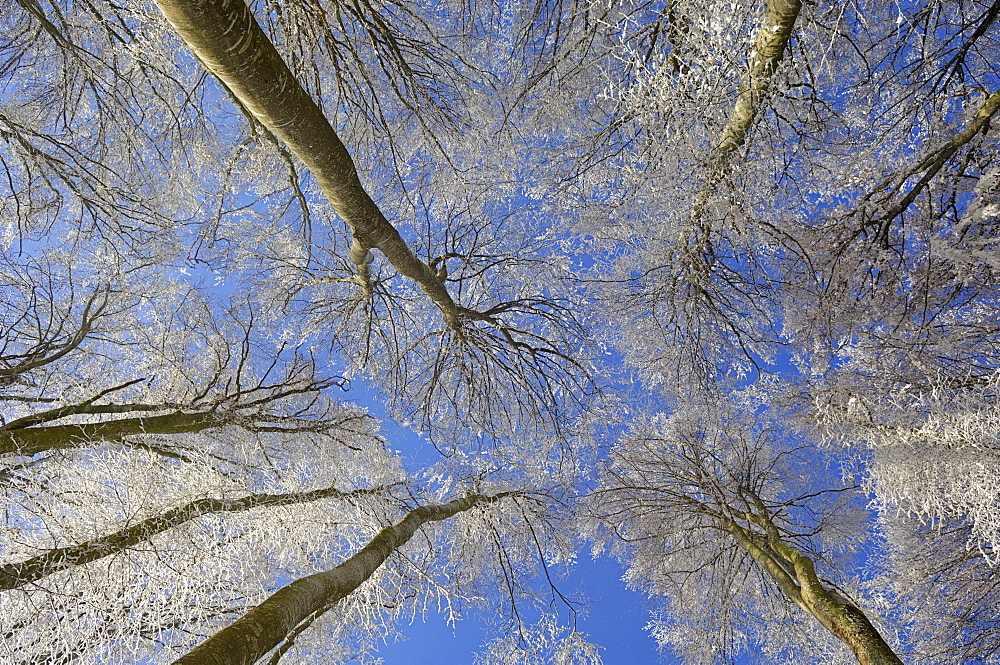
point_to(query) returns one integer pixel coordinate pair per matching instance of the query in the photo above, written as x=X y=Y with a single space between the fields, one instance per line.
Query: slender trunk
x=769 y=50
x=33 y=440
x=263 y=627
x=16 y=575
x=229 y=42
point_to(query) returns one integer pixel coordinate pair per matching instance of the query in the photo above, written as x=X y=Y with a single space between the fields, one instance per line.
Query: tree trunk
x=33 y=440
x=263 y=627
x=795 y=575
x=769 y=50
x=854 y=630
x=229 y=42
x=840 y=616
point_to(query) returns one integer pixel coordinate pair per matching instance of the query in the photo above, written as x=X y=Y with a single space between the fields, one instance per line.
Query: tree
x=165 y=364
x=214 y=465
x=706 y=509
x=235 y=418
x=836 y=237
x=533 y=357
x=784 y=260
x=132 y=411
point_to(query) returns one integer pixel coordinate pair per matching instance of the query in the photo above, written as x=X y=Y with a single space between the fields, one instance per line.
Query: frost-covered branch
x=16 y=575
x=56 y=342
x=927 y=169
x=256 y=409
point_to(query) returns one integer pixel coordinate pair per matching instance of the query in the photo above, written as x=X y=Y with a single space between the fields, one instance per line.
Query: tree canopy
x=709 y=287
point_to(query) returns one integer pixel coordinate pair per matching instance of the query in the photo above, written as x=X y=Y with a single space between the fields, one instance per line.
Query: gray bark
x=769 y=50
x=795 y=575
x=33 y=440
x=229 y=42
x=265 y=626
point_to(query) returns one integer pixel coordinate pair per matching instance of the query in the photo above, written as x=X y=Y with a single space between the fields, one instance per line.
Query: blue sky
x=614 y=618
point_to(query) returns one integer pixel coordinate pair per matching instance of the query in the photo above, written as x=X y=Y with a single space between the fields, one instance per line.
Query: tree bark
x=229 y=42
x=795 y=575
x=16 y=575
x=769 y=49
x=841 y=617
x=33 y=440
x=263 y=627
x=932 y=163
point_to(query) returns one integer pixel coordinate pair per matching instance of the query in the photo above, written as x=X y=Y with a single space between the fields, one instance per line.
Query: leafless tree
x=708 y=513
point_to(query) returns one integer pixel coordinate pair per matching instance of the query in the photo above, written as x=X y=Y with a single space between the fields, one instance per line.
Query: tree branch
x=33 y=440
x=932 y=164
x=16 y=575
